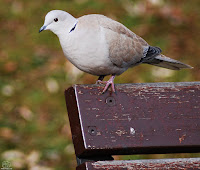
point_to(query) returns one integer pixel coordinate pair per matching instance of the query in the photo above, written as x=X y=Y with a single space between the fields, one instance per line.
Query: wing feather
x=125 y=47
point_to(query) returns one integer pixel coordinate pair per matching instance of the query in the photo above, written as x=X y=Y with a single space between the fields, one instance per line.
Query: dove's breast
x=87 y=49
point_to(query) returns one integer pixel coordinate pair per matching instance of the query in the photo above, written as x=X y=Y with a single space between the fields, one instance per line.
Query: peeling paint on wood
x=165 y=118
x=181 y=163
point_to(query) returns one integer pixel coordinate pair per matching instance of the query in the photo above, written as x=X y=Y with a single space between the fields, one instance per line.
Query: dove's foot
x=108 y=83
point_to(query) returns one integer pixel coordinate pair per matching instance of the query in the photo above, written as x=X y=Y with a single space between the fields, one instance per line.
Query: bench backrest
x=137 y=119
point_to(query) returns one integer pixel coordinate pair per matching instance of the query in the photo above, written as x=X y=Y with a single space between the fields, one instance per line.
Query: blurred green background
x=34 y=128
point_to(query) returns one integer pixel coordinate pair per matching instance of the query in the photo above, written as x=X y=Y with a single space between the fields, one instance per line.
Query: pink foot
x=108 y=83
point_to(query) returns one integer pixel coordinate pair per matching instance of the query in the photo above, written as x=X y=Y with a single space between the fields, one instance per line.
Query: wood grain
x=184 y=163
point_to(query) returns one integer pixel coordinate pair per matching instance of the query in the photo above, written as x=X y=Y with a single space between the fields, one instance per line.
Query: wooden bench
x=150 y=118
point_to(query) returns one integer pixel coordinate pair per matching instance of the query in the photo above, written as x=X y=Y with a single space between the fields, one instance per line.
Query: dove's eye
x=56 y=19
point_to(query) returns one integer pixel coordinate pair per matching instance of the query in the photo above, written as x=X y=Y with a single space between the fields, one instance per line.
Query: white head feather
x=58 y=22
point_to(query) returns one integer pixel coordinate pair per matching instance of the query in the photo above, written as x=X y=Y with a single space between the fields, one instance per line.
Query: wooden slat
x=185 y=163
x=137 y=119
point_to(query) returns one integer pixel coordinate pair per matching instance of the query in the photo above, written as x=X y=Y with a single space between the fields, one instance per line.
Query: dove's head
x=58 y=22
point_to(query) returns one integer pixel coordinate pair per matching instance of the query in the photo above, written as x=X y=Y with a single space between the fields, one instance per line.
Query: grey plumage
x=154 y=57
x=166 y=62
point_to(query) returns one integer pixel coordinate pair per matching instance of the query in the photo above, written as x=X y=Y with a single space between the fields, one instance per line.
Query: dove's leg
x=101 y=78
x=108 y=83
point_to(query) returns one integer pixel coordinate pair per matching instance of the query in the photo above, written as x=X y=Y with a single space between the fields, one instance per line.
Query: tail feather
x=166 y=62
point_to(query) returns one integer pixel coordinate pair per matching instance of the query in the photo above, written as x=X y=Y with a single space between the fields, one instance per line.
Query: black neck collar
x=73 y=28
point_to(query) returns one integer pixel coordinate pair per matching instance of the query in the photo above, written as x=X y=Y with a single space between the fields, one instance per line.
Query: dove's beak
x=42 y=28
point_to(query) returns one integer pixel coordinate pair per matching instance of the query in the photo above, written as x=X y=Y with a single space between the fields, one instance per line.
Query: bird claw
x=108 y=83
x=99 y=82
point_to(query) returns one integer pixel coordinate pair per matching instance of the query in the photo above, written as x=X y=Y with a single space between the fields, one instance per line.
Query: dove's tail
x=154 y=57
x=166 y=62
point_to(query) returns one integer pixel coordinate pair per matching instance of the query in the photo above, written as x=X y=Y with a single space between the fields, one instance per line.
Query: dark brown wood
x=175 y=164
x=137 y=119
x=93 y=158
x=73 y=113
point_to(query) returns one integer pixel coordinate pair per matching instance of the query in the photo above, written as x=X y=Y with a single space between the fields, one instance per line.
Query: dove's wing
x=125 y=47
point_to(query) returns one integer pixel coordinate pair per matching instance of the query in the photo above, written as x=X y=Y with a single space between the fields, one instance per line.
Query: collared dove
x=101 y=46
